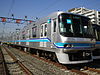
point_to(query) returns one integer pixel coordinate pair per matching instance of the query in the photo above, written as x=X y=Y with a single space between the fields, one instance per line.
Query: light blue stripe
x=74 y=44
x=33 y=40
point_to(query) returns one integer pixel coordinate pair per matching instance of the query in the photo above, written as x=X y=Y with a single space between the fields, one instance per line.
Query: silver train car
x=63 y=36
x=96 y=52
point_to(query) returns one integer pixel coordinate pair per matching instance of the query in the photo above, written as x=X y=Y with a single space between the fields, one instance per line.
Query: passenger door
x=53 y=31
x=27 y=37
x=43 y=34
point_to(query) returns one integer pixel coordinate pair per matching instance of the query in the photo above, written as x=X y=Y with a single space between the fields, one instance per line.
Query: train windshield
x=75 y=26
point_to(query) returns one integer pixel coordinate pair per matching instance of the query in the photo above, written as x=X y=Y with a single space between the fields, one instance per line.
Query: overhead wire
x=10 y=15
x=49 y=6
x=11 y=7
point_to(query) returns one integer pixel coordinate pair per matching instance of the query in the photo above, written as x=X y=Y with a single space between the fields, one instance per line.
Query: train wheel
x=54 y=57
x=37 y=53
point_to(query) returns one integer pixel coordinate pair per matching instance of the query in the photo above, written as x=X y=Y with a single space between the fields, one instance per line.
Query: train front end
x=75 y=41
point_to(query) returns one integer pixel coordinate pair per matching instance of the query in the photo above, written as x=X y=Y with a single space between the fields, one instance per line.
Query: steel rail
x=4 y=67
x=28 y=72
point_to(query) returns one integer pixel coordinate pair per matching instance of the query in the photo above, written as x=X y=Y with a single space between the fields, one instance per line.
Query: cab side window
x=54 y=25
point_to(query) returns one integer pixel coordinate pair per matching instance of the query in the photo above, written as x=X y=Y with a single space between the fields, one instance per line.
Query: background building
x=92 y=14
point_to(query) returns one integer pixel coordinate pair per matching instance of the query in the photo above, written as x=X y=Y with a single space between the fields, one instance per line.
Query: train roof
x=77 y=14
x=55 y=14
x=59 y=12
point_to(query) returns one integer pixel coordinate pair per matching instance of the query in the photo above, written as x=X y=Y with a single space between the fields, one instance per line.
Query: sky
x=39 y=8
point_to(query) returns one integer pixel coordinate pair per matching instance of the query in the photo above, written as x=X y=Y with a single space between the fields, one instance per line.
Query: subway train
x=65 y=37
x=96 y=52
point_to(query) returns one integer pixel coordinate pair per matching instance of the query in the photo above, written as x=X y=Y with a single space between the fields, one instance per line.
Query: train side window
x=23 y=34
x=27 y=35
x=41 y=30
x=34 y=31
x=45 y=33
x=54 y=27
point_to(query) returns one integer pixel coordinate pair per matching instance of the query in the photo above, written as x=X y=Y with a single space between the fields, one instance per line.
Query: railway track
x=3 y=68
x=14 y=66
x=42 y=66
x=39 y=66
x=92 y=69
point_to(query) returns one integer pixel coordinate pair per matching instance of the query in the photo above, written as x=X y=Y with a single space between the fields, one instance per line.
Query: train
x=96 y=51
x=62 y=36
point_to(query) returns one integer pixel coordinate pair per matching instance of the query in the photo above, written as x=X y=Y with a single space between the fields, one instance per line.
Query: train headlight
x=68 y=45
x=86 y=54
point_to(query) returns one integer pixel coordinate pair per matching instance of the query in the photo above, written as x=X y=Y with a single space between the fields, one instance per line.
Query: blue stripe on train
x=97 y=42
x=33 y=40
x=75 y=45
x=58 y=45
